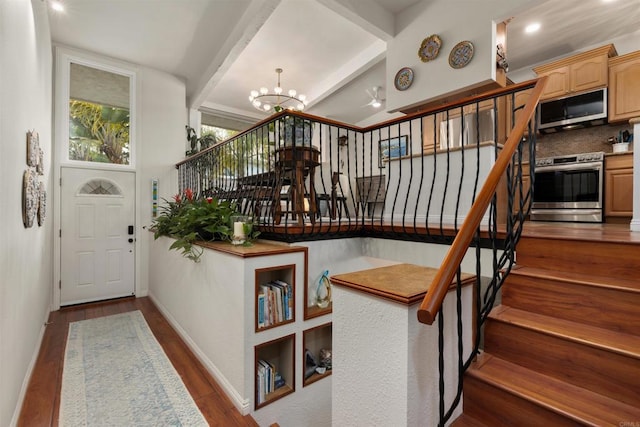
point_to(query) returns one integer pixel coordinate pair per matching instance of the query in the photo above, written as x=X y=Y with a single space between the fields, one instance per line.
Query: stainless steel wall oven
x=569 y=188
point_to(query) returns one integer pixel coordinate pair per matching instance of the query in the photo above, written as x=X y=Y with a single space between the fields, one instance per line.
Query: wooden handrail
x=439 y=286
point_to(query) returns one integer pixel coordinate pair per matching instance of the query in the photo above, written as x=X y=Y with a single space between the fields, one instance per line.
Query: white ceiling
x=331 y=50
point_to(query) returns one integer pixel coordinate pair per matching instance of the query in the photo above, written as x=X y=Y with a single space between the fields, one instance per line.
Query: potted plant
x=189 y=220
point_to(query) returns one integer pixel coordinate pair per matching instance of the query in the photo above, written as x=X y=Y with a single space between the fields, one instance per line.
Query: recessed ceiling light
x=57 y=6
x=532 y=28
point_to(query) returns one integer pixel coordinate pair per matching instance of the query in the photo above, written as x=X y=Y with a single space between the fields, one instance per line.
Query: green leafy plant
x=199 y=144
x=189 y=220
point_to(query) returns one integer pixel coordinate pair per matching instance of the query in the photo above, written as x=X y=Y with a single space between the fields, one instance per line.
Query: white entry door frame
x=97 y=237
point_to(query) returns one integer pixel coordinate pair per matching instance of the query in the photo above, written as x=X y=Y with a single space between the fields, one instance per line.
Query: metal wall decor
x=501 y=58
x=461 y=54
x=403 y=79
x=34 y=194
x=429 y=48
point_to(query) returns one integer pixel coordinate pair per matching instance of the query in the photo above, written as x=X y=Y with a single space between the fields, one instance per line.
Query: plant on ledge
x=189 y=220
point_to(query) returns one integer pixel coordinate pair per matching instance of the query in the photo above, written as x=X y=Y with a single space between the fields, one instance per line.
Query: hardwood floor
x=42 y=399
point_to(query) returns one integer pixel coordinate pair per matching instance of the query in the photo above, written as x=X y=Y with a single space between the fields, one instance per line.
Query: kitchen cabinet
x=618 y=181
x=624 y=87
x=577 y=73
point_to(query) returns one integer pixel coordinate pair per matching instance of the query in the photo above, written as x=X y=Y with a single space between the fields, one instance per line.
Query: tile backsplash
x=576 y=141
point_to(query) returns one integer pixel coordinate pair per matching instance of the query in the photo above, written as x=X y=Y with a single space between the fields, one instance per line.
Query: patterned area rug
x=116 y=374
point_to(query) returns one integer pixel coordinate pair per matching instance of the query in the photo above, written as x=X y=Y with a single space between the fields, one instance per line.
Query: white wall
x=436 y=77
x=26 y=257
x=163 y=116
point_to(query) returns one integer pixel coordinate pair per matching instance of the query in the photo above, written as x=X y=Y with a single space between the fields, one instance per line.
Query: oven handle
x=570 y=166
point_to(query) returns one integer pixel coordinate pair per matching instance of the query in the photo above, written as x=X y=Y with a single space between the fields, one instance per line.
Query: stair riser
x=602 y=307
x=598 y=370
x=597 y=258
x=499 y=408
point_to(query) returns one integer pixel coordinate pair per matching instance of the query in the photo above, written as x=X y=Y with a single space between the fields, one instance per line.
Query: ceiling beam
x=347 y=72
x=245 y=29
x=368 y=15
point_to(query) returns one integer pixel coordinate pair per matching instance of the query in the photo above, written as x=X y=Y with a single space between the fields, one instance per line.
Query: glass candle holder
x=239 y=224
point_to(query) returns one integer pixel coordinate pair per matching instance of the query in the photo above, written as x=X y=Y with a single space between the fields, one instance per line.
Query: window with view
x=99 y=116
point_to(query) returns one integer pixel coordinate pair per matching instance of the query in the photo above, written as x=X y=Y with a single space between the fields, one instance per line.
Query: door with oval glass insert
x=97 y=243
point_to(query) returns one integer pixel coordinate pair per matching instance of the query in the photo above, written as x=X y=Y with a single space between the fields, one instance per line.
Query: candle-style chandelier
x=277 y=101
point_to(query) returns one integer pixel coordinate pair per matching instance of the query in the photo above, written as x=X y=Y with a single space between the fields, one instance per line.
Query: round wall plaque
x=404 y=78
x=461 y=54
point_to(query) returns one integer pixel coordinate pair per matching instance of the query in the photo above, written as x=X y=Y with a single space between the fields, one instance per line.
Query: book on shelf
x=279 y=381
x=267 y=380
x=261 y=310
x=287 y=299
x=275 y=303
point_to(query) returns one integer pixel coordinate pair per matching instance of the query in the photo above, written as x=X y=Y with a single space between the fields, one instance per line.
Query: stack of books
x=275 y=303
x=268 y=380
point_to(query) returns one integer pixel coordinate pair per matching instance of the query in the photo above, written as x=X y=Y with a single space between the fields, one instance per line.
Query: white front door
x=97 y=240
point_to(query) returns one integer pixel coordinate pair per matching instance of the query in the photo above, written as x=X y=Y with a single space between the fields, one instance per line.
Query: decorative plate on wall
x=461 y=54
x=429 y=48
x=404 y=78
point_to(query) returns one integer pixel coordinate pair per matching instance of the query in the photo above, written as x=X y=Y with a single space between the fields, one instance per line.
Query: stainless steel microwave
x=576 y=110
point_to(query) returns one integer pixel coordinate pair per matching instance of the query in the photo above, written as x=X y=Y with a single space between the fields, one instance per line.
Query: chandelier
x=263 y=100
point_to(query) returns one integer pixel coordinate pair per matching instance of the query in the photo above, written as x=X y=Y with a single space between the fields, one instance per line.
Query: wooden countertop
x=403 y=283
x=257 y=248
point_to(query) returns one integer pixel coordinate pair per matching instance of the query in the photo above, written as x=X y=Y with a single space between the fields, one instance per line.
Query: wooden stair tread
x=467 y=421
x=616 y=233
x=618 y=342
x=579 y=404
x=609 y=282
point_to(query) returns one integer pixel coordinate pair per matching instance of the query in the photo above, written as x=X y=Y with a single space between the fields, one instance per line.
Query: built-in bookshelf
x=275 y=296
x=274 y=370
x=317 y=341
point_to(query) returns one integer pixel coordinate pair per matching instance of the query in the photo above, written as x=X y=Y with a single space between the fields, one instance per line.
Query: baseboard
x=27 y=376
x=243 y=405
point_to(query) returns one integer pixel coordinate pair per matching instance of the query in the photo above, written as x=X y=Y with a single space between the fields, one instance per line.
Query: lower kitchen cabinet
x=618 y=181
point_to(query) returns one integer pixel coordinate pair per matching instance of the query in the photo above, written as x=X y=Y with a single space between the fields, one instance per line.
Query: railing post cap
x=424 y=316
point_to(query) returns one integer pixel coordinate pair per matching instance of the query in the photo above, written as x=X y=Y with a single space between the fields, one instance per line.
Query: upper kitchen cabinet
x=624 y=87
x=586 y=70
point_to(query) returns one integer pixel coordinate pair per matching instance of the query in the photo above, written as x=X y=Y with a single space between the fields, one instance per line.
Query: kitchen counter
x=618 y=154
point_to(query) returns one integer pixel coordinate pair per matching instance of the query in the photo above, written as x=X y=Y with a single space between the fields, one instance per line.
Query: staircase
x=564 y=346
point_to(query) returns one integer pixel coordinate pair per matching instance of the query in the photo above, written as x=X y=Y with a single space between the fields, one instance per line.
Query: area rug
x=116 y=374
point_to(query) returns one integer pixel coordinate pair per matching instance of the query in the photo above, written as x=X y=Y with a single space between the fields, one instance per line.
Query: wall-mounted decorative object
x=429 y=48
x=34 y=196
x=40 y=166
x=30 y=196
x=391 y=148
x=404 y=78
x=461 y=54
x=33 y=148
x=42 y=204
x=501 y=58
x=154 y=197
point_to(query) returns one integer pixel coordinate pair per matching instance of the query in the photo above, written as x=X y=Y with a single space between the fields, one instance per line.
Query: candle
x=238 y=229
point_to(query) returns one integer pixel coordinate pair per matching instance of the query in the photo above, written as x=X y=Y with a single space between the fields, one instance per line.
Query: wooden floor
x=42 y=400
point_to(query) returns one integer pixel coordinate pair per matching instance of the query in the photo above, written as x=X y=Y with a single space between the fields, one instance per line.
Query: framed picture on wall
x=391 y=148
